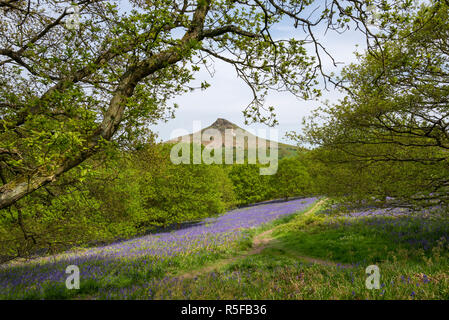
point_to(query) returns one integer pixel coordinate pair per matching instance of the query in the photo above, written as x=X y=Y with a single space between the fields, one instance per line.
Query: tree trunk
x=26 y=184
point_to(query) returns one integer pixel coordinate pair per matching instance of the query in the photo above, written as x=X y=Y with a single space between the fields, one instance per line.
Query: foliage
x=388 y=137
x=144 y=259
x=68 y=89
x=249 y=185
x=183 y=192
x=123 y=194
x=291 y=179
x=286 y=269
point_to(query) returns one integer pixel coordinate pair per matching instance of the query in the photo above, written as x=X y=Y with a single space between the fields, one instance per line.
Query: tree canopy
x=389 y=136
x=68 y=86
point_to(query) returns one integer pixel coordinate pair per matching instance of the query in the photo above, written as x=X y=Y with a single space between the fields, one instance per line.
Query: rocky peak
x=222 y=124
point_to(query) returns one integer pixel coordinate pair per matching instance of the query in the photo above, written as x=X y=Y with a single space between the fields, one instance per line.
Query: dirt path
x=260 y=242
x=265 y=239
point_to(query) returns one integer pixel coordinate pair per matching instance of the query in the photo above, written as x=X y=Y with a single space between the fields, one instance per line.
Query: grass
x=275 y=276
x=351 y=244
x=345 y=246
x=407 y=272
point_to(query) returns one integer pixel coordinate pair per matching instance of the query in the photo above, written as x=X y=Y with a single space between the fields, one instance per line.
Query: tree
x=124 y=194
x=175 y=193
x=389 y=136
x=291 y=179
x=249 y=185
x=68 y=88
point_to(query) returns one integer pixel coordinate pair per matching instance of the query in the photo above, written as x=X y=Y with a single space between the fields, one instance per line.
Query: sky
x=228 y=95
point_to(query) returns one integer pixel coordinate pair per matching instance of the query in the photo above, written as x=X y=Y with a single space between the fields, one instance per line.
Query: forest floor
x=260 y=242
x=292 y=250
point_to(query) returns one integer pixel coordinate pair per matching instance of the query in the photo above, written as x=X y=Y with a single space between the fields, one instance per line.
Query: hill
x=240 y=138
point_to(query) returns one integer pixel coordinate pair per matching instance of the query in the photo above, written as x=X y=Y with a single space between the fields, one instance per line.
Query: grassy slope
x=283 y=269
x=279 y=272
x=134 y=281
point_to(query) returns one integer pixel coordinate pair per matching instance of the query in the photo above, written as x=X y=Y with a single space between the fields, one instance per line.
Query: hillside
x=239 y=134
